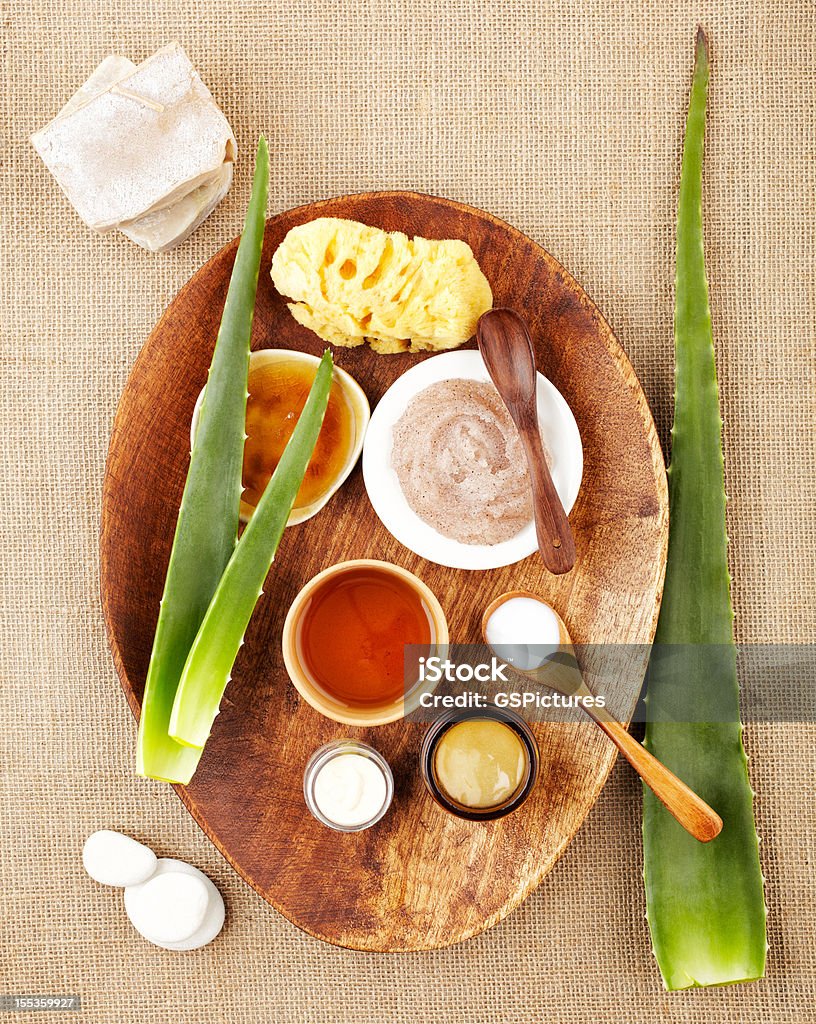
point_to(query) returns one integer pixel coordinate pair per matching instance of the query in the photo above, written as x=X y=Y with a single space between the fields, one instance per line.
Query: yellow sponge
x=354 y=284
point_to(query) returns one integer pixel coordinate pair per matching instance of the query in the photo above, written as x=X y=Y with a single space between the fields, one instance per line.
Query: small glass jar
x=321 y=758
x=515 y=799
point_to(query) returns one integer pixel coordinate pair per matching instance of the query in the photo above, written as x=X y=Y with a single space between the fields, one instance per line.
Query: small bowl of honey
x=479 y=764
x=278 y=384
x=353 y=639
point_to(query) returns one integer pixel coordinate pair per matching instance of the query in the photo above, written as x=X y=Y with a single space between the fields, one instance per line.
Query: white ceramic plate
x=558 y=428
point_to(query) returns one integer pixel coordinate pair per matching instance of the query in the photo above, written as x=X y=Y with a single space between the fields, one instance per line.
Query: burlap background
x=565 y=119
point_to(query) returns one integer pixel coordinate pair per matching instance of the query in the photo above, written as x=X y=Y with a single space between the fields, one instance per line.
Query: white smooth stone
x=168 y=907
x=179 y=912
x=115 y=859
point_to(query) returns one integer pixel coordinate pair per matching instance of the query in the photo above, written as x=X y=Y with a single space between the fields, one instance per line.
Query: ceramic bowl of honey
x=278 y=384
x=353 y=639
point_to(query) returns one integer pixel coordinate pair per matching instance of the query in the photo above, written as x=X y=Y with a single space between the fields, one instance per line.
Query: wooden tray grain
x=420 y=879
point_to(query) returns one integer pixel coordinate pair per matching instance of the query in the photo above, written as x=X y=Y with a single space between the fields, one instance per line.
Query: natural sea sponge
x=354 y=284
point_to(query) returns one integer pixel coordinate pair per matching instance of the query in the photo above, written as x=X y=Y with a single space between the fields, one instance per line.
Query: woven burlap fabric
x=566 y=119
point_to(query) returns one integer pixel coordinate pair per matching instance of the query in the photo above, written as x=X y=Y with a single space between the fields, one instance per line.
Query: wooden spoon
x=508 y=354
x=696 y=817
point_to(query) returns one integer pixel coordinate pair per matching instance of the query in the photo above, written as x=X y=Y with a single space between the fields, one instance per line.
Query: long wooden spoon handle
x=555 y=541
x=694 y=814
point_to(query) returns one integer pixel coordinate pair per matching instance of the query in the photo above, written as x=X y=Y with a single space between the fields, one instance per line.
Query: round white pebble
x=168 y=907
x=178 y=908
x=115 y=859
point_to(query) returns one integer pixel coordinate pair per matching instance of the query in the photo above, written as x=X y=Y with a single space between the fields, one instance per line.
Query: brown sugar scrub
x=460 y=463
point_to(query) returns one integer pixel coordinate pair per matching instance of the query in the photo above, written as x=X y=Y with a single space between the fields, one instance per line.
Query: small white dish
x=360 y=411
x=558 y=429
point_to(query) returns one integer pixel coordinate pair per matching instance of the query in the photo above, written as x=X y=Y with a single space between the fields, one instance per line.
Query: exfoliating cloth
x=565 y=119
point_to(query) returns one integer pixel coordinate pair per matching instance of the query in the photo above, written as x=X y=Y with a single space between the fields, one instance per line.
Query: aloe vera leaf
x=213 y=653
x=207 y=525
x=705 y=903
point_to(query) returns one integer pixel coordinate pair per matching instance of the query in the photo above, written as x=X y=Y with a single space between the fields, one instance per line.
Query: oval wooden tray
x=420 y=879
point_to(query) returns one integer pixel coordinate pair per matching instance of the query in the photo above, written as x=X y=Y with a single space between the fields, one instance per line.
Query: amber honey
x=277 y=394
x=353 y=633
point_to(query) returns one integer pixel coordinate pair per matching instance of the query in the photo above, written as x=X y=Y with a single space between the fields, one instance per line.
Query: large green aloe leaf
x=216 y=646
x=705 y=902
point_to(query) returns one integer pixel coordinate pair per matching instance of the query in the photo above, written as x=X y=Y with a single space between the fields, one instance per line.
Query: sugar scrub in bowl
x=445 y=469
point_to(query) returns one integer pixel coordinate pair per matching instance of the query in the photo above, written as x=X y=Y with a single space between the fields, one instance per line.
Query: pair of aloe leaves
x=214 y=579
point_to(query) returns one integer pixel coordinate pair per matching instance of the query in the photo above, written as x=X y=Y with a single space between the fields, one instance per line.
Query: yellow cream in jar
x=480 y=763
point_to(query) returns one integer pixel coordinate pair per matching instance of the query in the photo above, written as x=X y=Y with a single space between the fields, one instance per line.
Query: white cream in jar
x=348 y=785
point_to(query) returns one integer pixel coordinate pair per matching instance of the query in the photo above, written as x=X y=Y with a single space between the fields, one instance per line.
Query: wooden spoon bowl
x=693 y=813
x=507 y=350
